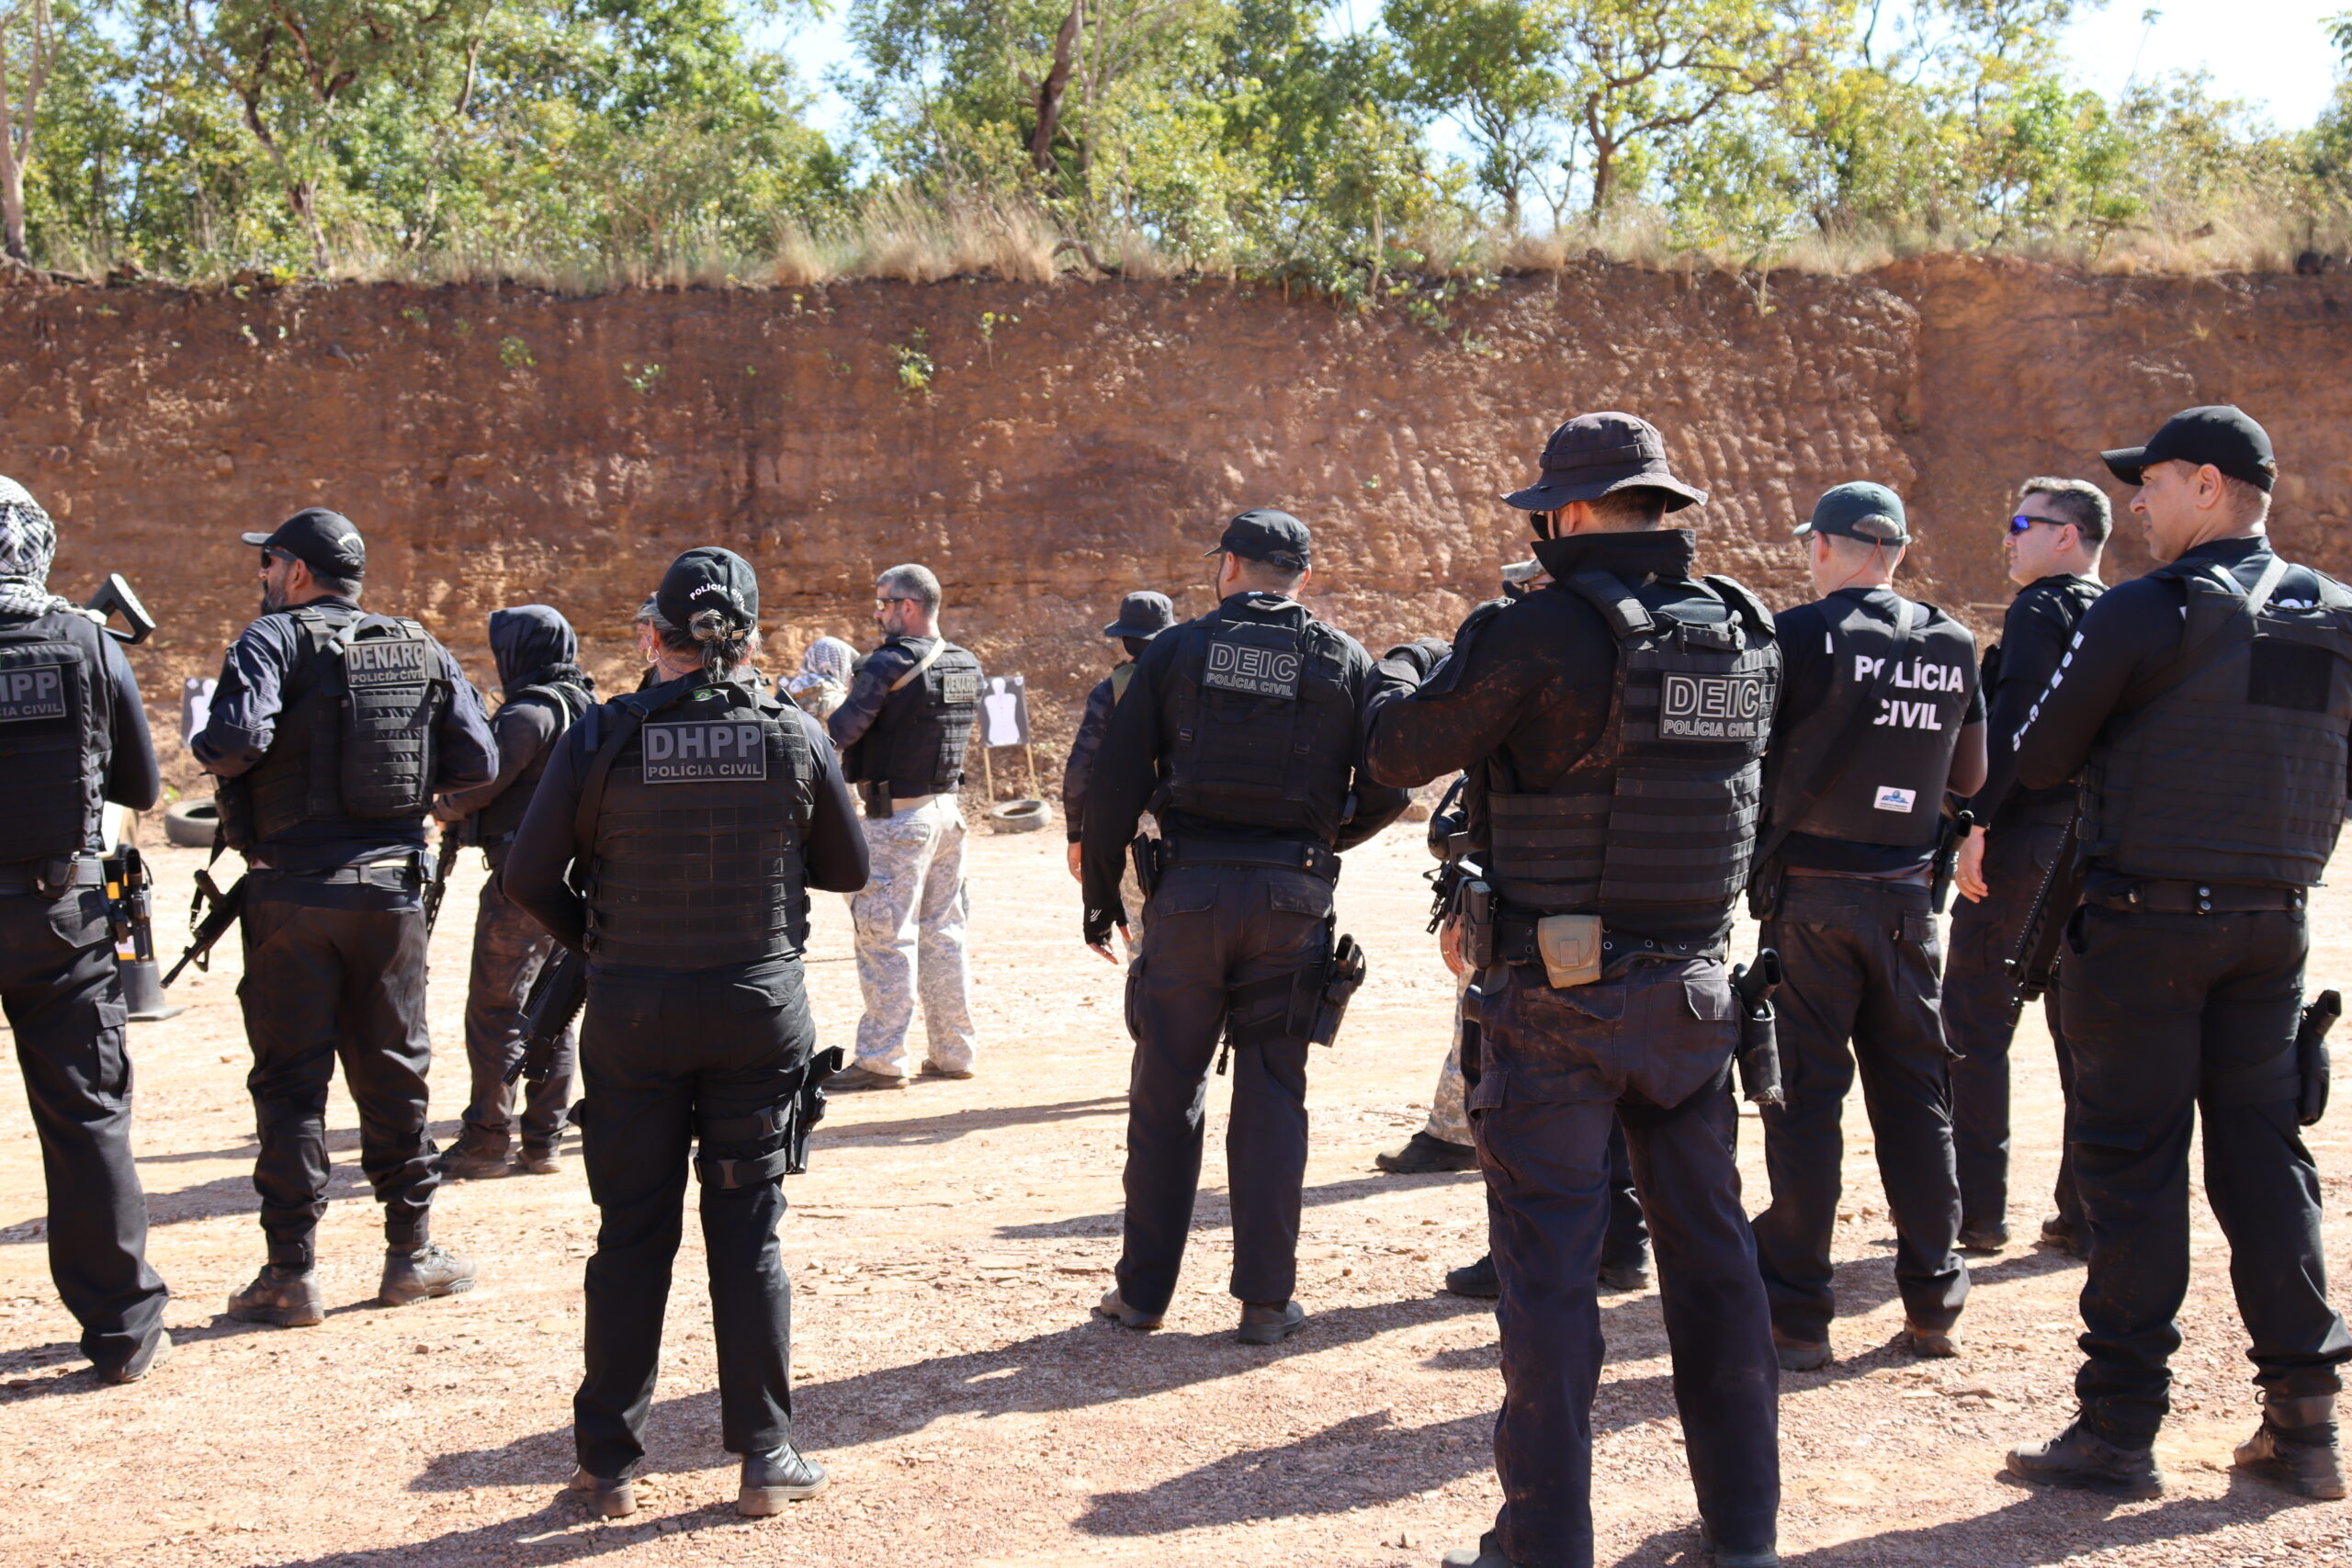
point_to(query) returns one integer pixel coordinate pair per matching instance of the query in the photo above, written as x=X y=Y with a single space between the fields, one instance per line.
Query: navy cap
x=1268 y=534
x=1598 y=453
x=324 y=541
x=1145 y=614
x=2218 y=433
x=1863 y=511
x=709 y=578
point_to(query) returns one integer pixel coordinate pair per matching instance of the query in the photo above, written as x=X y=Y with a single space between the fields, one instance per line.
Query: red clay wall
x=500 y=445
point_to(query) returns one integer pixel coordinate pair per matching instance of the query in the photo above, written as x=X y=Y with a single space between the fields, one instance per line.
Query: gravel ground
x=944 y=1252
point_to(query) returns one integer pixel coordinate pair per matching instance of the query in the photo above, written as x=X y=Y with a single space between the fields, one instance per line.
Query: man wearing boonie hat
x=1880 y=718
x=2206 y=706
x=1143 y=615
x=1611 y=725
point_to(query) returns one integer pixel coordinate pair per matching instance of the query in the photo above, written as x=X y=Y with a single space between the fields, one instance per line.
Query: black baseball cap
x=1267 y=535
x=1145 y=614
x=324 y=541
x=709 y=578
x=2219 y=433
x=1862 y=510
x=1598 y=453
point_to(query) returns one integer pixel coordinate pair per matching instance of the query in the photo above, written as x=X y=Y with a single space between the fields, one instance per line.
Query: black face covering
x=532 y=643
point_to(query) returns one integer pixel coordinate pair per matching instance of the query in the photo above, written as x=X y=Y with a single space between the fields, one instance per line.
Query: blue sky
x=2271 y=53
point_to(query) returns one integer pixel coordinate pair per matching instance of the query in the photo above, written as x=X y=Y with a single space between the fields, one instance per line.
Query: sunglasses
x=2020 y=523
x=269 y=555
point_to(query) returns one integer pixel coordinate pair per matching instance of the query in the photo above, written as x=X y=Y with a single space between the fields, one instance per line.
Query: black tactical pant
x=671 y=1057
x=510 y=948
x=1861 y=957
x=337 y=970
x=1977 y=990
x=64 y=1000
x=1627 y=1241
x=2169 y=1016
x=1210 y=927
x=1556 y=1071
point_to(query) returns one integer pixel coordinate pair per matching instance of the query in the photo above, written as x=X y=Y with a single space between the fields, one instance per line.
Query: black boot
x=2080 y=1458
x=1488 y=1553
x=537 y=1159
x=2061 y=1236
x=1766 y=1556
x=1629 y=1274
x=1477 y=1280
x=2296 y=1446
x=773 y=1479
x=425 y=1268
x=475 y=1155
x=1422 y=1154
x=285 y=1294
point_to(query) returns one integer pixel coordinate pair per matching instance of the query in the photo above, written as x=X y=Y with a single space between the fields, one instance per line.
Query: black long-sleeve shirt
x=834 y=850
x=1076 y=774
x=1127 y=773
x=2126 y=641
x=251 y=697
x=2035 y=635
x=520 y=732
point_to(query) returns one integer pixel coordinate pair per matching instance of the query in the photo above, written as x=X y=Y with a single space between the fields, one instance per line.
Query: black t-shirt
x=1808 y=657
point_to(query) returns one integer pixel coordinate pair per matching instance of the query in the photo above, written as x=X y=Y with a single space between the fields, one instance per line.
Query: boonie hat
x=2219 y=433
x=1862 y=510
x=324 y=541
x=1145 y=614
x=709 y=578
x=1598 y=453
x=1268 y=534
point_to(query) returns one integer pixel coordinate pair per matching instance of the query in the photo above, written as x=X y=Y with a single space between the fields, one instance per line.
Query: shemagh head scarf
x=27 y=544
x=827 y=660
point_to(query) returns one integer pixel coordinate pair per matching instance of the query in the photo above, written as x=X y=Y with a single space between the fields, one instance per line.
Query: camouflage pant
x=1449 y=1115
x=910 y=921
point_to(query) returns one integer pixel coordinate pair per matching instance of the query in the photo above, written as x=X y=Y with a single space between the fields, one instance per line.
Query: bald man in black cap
x=2206 y=706
x=331 y=732
x=1239 y=731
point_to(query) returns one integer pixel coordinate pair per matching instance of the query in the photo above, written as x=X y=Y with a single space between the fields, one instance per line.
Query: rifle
x=114 y=597
x=1950 y=834
x=2033 y=967
x=1760 y=1047
x=2311 y=1056
x=444 y=863
x=555 y=1000
x=207 y=928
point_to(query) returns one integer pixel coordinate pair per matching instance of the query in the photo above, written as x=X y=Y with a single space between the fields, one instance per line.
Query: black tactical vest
x=1258 y=720
x=498 y=822
x=694 y=857
x=1657 y=824
x=917 y=742
x=1887 y=787
x=2235 y=772
x=355 y=735
x=56 y=735
x=2072 y=598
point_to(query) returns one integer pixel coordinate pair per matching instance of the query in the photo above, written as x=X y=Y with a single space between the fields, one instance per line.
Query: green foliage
x=589 y=141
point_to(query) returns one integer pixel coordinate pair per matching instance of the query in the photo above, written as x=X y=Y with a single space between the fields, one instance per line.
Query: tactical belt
x=1286 y=854
x=1912 y=875
x=1515 y=943
x=2195 y=897
x=416 y=863
x=86 y=873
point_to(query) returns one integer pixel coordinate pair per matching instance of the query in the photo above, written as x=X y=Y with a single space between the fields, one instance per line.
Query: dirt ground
x=944 y=1252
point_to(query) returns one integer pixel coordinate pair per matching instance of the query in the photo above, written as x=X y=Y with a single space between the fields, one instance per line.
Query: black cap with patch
x=324 y=541
x=2218 y=433
x=1268 y=534
x=709 y=578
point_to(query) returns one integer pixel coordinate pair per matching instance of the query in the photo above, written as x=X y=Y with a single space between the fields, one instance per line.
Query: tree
x=27 y=52
x=1644 y=70
x=1491 y=65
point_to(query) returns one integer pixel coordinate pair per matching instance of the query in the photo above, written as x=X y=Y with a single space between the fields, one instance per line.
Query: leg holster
x=1308 y=1003
x=743 y=1145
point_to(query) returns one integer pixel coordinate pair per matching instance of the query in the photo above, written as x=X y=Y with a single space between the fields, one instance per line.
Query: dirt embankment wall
x=1046 y=449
